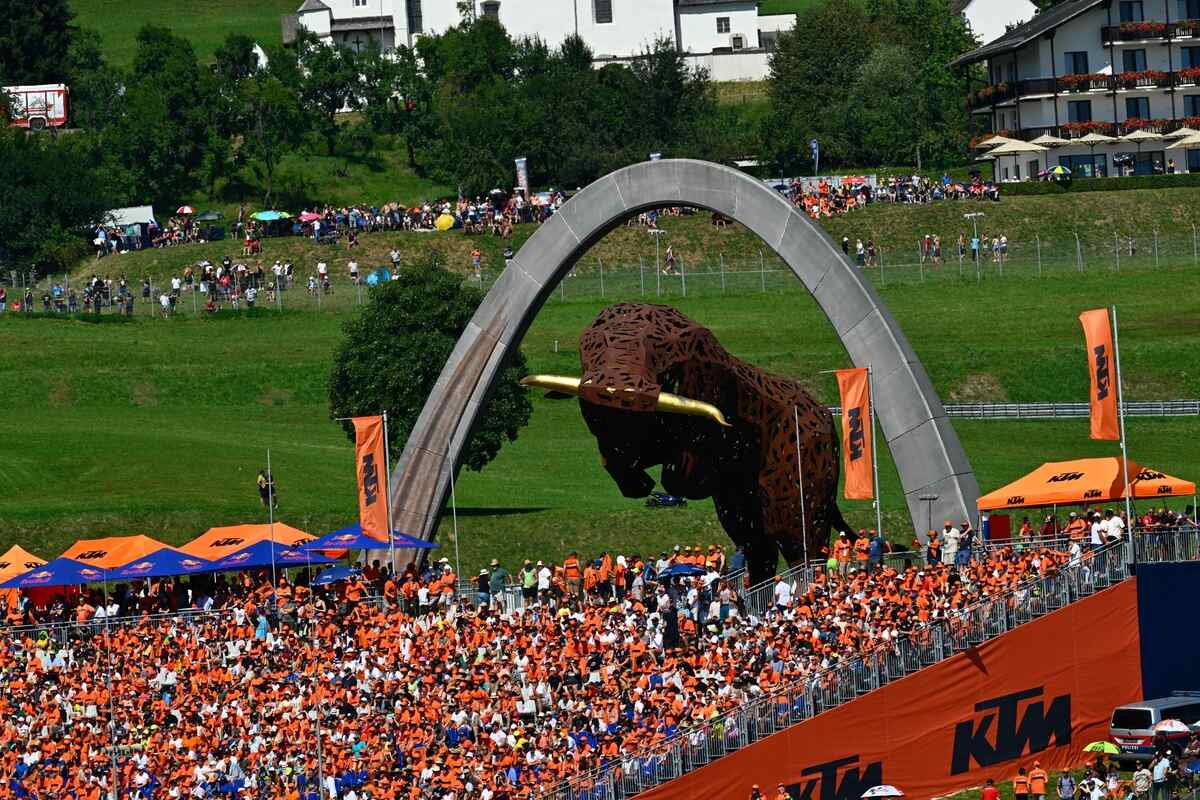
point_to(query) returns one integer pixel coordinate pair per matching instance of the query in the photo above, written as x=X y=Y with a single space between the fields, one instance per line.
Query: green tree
x=273 y=123
x=53 y=192
x=329 y=84
x=398 y=98
x=34 y=41
x=394 y=350
x=881 y=108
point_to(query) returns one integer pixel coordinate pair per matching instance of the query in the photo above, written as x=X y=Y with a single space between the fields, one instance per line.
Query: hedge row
x=1099 y=184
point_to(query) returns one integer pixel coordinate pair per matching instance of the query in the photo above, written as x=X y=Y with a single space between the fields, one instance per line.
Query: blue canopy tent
x=682 y=571
x=353 y=538
x=59 y=572
x=266 y=554
x=165 y=563
x=335 y=574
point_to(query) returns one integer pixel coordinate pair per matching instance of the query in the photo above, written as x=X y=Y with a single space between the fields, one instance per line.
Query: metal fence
x=1009 y=411
x=697 y=745
x=742 y=272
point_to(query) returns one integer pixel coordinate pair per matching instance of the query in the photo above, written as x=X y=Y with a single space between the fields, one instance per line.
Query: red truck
x=37 y=107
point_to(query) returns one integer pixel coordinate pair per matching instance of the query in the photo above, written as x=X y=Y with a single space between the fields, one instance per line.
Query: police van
x=1131 y=726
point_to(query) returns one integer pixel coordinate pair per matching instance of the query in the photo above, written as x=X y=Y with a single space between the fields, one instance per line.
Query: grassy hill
x=158 y=427
x=205 y=24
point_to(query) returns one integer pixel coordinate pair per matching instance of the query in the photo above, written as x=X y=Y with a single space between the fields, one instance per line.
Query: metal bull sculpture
x=659 y=389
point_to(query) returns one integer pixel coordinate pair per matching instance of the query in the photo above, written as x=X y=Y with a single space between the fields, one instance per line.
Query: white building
x=990 y=19
x=726 y=36
x=1109 y=66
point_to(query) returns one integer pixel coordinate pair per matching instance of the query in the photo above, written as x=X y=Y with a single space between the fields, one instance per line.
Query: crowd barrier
x=698 y=745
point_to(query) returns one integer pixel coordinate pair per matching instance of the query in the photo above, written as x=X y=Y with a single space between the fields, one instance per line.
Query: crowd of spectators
x=420 y=690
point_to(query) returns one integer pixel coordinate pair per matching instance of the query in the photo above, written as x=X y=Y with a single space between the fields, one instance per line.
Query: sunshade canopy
x=335 y=574
x=353 y=538
x=113 y=551
x=265 y=553
x=1086 y=480
x=16 y=561
x=216 y=543
x=1095 y=138
x=59 y=572
x=164 y=563
x=994 y=141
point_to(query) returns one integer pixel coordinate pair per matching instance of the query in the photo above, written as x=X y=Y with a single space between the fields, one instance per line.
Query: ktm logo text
x=370 y=479
x=226 y=542
x=91 y=555
x=857 y=436
x=1064 y=476
x=824 y=785
x=1001 y=735
x=1101 y=367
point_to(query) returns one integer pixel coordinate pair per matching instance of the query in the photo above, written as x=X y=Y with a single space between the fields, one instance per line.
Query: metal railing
x=697 y=745
x=1009 y=411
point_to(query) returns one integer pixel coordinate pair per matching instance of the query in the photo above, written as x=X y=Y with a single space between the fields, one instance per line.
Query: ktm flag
x=1102 y=370
x=855 y=389
x=370 y=461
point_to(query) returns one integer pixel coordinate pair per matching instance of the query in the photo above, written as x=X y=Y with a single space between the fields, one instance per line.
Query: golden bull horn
x=667 y=402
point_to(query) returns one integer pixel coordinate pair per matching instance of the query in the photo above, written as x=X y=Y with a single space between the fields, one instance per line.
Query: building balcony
x=1146 y=79
x=1149 y=32
x=1010 y=92
x=1077 y=130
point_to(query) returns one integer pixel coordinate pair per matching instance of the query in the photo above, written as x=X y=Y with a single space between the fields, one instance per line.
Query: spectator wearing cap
x=951 y=536
x=878 y=546
x=841 y=551
x=756 y=793
x=966 y=544
x=483 y=587
x=862 y=549
x=528 y=576
x=1076 y=527
x=497 y=583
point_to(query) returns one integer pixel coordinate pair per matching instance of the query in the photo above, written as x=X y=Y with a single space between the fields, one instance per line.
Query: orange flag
x=856 y=433
x=1102 y=371
x=370 y=464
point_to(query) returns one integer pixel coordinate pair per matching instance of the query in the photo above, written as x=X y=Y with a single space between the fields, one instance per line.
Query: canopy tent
x=216 y=543
x=265 y=553
x=353 y=538
x=113 y=551
x=165 y=563
x=335 y=574
x=132 y=215
x=59 y=572
x=1087 y=480
x=17 y=561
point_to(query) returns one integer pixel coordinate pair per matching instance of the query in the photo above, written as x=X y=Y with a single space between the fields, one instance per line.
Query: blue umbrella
x=59 y=572
x=352 y=538
x=163 y=563
x=266 y=216
x=378 y=276
x=682 y=571
x=265 y=553
x=335 y=574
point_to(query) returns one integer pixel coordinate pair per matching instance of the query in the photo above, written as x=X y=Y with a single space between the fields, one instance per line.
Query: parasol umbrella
x=1047 y=140
x=682 y=571
x=1058 y=173
x=444 y=223
x=1016 y=149
x=1185 y=143
x=883 y=790
x=1142 y=135
x=376 y=277
x=335 y=574
x=994 y=141
x=266 y=216
x=309 y=216
x=185 y=210
x=1102 y=747
x=209 y=216
x=1093 y=139
x=1181 y=133
x=1170 y=726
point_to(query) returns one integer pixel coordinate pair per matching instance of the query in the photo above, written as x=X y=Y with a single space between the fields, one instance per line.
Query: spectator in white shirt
x=783 y=592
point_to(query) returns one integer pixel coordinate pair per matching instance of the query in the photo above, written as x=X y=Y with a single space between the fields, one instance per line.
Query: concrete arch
x=925 y=448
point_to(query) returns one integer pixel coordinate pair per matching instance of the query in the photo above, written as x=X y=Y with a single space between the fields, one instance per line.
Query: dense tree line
x=869 y=79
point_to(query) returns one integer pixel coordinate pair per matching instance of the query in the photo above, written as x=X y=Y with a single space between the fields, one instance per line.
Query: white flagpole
x=1121 y=416
x=387 y=493
x=454 y=517
x=874 y=449
x=800 y=476
x=271 y=517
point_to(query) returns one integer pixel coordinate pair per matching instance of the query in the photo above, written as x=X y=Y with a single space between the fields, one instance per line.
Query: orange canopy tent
x=16 y=561
x=216 y=543
x=113 y=551
x=1086 y=480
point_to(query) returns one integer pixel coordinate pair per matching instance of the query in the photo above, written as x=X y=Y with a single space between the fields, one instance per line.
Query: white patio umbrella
x=994 y=141
x=1170 y=726
x=1141 y=135
x=1047 y=140
x=1016 y=149
x=883 y=790
x=1093 y=139
x=1186 y=143
x=1181 y=133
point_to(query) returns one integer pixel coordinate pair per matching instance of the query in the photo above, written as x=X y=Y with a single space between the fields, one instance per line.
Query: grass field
x=159 y=427
x=783 y=6
x=204 y=24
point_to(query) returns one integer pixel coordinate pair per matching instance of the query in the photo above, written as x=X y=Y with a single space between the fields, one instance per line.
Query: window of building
x=491 y=9
x=1191 y=105
x=1079 y=111
x=722 y=24
x=1086 y=165
x=602 y=11
x=738 y=42
x=1134 y=60
x=1076 y=62
x=1193 y=160
x=1137 y=108
x=1190 y=57
x=1131 y=11
x=1189 y=9
x=415 y=20
x=1144 y=163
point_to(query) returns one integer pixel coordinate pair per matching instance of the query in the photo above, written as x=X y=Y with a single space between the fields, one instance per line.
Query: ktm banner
x=1038 y=693
x=1101 y=369
x=369 y=462
x=854 y=386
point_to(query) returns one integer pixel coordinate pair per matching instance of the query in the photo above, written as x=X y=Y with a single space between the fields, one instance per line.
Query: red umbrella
x=308 y=216
x=185 y=210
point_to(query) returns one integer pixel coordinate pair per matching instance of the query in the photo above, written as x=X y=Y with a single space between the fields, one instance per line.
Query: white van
x=1130 y=726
